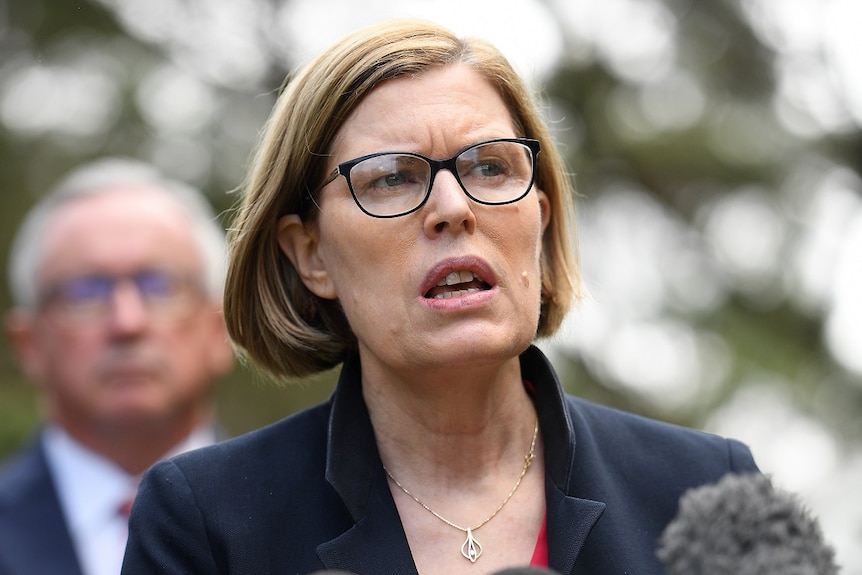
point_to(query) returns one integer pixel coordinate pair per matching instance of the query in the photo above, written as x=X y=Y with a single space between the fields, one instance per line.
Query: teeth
x=455 y=293
x=459 y=277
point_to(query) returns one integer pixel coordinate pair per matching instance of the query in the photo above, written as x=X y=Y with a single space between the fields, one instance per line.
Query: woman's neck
x=452 y=425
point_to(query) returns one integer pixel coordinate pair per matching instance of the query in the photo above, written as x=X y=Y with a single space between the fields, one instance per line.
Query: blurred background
x=716 y=148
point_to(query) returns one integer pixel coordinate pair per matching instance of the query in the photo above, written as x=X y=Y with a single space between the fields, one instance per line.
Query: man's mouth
x=457 y=283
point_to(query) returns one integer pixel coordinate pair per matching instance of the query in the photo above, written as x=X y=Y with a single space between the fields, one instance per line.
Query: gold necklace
x=471 y=549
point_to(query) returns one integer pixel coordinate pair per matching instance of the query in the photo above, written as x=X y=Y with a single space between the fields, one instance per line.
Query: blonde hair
x=271 y=316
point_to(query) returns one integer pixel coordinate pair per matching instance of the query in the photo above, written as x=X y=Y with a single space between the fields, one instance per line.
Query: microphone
x=525 y=571
x=742 y=525
x=508 y=571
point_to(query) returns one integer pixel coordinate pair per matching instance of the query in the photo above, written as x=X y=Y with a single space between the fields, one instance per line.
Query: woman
x=407 y=215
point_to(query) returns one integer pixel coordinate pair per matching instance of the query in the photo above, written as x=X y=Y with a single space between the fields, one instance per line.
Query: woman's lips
x=458 y=276
x=457 y=283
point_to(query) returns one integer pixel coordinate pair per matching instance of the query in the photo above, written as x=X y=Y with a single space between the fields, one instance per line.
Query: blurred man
x=117 y=277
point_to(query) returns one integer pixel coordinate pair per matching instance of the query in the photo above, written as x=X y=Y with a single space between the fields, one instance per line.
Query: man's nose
x=128 y=310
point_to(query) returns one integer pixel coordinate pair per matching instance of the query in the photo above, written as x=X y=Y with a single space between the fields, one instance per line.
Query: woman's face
x=385 y=272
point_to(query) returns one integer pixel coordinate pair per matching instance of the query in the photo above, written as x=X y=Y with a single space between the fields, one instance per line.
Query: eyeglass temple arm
x=309 y=193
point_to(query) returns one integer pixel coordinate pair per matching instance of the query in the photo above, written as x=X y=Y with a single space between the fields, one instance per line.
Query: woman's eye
x=390 y=181
x=489 y=169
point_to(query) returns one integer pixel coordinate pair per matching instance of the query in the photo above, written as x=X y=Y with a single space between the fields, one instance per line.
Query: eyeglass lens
x=91 y=294
x=396 y=183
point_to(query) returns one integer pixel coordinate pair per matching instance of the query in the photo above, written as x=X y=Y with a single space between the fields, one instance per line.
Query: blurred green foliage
x=609 y=142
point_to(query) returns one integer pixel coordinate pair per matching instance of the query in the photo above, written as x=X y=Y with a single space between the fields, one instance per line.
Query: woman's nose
x=448 y=208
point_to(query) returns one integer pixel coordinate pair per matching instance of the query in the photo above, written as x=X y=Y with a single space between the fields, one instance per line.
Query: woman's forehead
x=449 y=106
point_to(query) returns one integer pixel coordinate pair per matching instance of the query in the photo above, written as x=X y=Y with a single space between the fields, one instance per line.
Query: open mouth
x=457 y=283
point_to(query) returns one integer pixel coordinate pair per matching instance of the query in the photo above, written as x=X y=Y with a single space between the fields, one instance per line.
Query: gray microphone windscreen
x=742 y=525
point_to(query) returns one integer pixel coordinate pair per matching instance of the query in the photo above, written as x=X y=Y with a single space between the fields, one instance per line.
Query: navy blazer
x=33 y=533
x=309 y=492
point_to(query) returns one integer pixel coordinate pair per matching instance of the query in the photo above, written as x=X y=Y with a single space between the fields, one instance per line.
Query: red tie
x=125 y=508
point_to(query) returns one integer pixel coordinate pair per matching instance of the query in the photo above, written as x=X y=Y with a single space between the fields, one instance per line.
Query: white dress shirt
x=92 y=490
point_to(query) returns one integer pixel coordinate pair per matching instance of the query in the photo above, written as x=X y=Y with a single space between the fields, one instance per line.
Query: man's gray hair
x=105 y=176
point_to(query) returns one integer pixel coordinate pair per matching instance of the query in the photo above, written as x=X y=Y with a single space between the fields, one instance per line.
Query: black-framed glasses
x=89 y=297
x=392 y=184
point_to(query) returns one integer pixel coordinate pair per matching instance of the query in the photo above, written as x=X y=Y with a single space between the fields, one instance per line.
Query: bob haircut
x=271 y=316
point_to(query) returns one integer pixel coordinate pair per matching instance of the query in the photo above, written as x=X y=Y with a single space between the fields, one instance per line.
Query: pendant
x=471 y=549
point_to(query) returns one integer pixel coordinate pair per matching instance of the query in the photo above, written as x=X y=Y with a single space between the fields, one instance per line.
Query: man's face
x=124 y=333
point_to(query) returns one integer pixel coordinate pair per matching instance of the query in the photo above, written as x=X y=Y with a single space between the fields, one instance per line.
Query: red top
x=540 y=553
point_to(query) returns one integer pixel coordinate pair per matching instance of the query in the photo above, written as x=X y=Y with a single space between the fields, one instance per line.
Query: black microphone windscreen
x=508 y=571
x=525 y=571
x=742 y=525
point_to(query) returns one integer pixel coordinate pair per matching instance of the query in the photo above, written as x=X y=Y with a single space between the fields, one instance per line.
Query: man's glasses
x=392 y=184
x=90 y=297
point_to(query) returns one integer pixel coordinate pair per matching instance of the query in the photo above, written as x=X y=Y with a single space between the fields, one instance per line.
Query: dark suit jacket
x=309 y=492
x=33 y=534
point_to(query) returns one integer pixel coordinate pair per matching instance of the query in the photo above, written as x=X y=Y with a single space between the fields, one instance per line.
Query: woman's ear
x=545 y=207
x=300 y=244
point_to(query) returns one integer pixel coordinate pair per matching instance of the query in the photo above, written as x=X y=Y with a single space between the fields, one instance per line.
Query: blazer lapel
x=33 y=533
x=376 y=543
x=570 y=521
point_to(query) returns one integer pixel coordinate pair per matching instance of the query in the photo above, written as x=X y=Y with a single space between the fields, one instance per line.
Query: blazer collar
x=569 y=518
x=558 y=433
x=352 y=458
x=376 y=543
